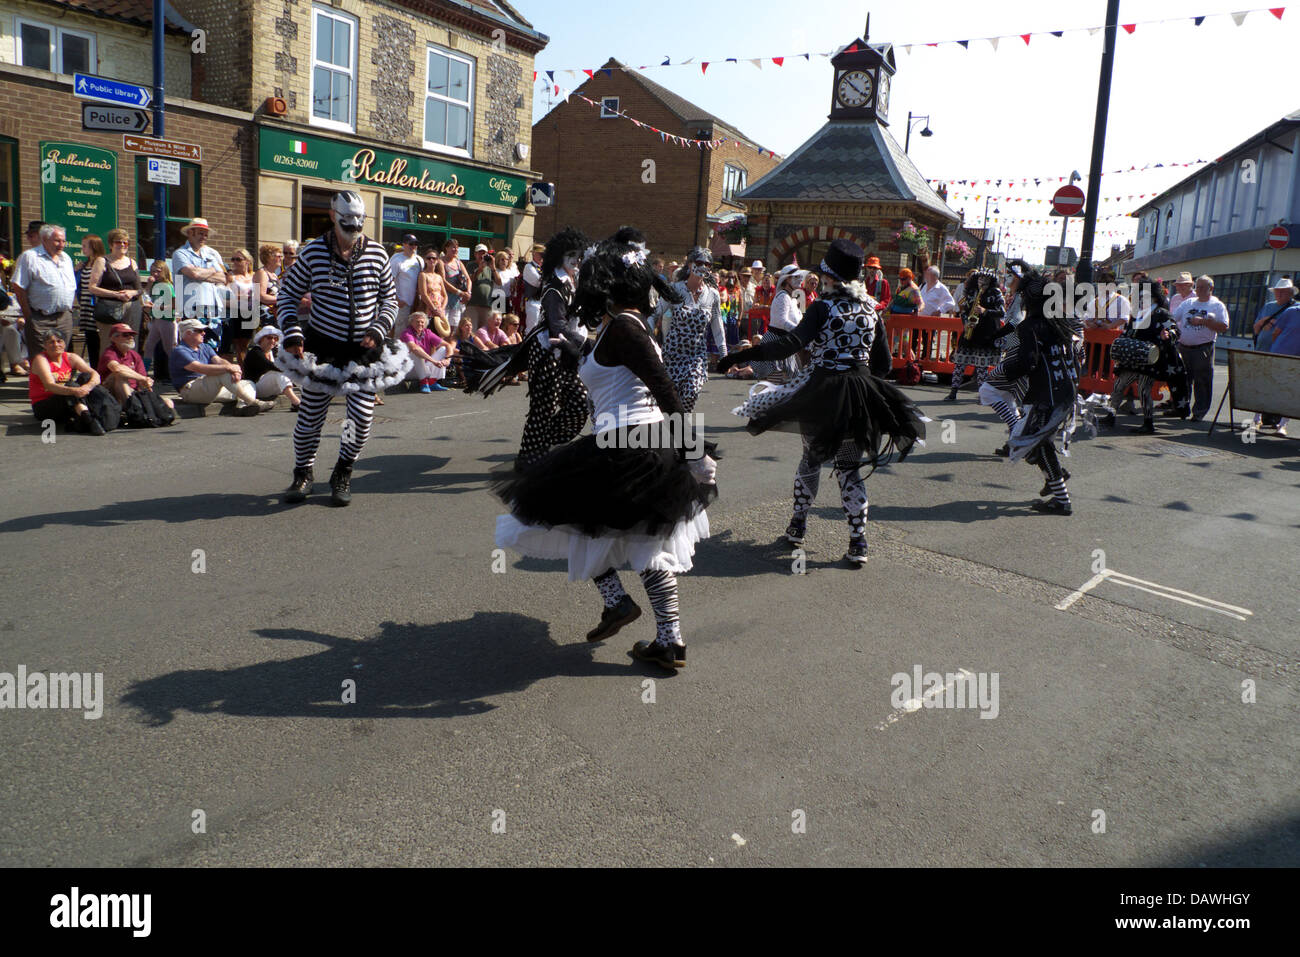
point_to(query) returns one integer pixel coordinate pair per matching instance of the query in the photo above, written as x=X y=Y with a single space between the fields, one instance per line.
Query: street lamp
x=925 y=132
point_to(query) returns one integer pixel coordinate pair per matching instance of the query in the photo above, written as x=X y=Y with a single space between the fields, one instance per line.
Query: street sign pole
x=1084 y=270
x=159 y=113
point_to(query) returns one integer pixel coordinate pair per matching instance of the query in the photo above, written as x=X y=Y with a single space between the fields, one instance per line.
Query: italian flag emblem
x=298 y=146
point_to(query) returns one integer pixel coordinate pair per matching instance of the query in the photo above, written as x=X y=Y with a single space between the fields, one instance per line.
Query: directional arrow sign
x=101 y=88
x=113 y=119
x=169 y=148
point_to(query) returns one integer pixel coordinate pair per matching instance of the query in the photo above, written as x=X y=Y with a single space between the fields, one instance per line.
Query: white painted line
x=459 y=414
x=1185 y=601
x=916 y=704
x=1088 y=586
x=1189 y=594
x=1161 y=591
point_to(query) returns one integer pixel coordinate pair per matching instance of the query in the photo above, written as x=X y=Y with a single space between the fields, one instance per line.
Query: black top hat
x=843 y=260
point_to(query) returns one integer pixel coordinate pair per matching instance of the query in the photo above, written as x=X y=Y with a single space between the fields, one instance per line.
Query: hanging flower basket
x=912 y=238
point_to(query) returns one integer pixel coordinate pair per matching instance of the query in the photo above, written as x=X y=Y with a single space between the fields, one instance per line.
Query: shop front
x=434 y=199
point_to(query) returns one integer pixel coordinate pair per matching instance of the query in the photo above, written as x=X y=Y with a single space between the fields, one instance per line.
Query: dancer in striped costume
x=343 y=349
x=1000 y=390
x=785 y=316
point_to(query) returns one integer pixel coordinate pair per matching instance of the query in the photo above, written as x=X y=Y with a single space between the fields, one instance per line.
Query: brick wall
x=598 y=168
x=34 y=109
x=779 y=226
x=392 y=73
x=740 y=155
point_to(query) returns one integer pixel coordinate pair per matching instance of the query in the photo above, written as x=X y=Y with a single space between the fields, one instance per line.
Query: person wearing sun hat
x=876 y=283
x=1184 y=289
x=261 y=370
x=838 y=404
x=199 y=275
x=785 y=317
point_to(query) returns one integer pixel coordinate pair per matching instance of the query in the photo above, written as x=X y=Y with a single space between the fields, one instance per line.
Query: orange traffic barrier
x=1098 y=374
x=930 y=339
x=755 y=321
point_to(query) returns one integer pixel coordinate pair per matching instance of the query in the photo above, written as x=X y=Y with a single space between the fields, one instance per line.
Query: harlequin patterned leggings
x=853 y=490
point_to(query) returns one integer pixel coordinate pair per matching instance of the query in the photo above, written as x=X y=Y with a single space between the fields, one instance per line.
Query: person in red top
x=54 y=392
x=877 y=285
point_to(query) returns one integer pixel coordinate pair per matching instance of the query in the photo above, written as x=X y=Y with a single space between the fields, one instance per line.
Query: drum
x=1127 y=352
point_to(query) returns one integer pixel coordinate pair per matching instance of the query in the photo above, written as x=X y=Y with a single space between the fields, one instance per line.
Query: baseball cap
x=410 y=240
x=120 y=328
x=480 y=246
x=189 y=325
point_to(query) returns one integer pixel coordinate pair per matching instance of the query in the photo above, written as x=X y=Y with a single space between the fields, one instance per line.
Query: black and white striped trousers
x=311 y=419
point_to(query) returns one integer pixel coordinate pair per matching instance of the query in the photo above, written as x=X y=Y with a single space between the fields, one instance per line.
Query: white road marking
x=459 y=414
x=912 y=705
x=1088 y=586
x=1161 y=591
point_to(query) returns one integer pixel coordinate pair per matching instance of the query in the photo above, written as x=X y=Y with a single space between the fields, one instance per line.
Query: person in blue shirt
x=1286 y=330
x=202 y=377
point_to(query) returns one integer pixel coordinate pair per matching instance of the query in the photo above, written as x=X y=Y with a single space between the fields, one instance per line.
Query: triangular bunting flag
x=907 y=48
x=1058 y=33
x=806 y=55
x=758 y=62
x=610 y=72
x=704 y=67
x=1198 y=20
x=965 y=44
x=1277 y=11
x=778 y=60
x=852 y=47
x=1240 y=18
x=685 y=62
x=557 y=91
x=1025 y=37
x=550 y=75
x=534 y=76
x=1093 y=30
x=590 y=73
x=932 y=44
x=994 y=41
x=1129 y=27
x=667 y=62
x=732 y=59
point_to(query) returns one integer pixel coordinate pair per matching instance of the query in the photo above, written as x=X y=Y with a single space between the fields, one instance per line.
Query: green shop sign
x=301 y=155
x=79 y=189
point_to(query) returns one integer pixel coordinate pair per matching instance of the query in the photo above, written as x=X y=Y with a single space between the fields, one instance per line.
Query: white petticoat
x=390 y=369
x=763 y=395
x=589 y=557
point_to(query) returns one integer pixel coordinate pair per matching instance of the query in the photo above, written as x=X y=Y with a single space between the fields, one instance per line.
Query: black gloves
x=733 y=359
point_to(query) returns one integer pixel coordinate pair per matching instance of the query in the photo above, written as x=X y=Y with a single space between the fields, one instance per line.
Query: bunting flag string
x=1039 y=180
x=683 y=141
x=1238 y=18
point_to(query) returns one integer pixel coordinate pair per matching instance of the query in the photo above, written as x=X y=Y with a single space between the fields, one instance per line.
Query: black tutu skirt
x=832 y=407
x=602 y=491
x=486 y=371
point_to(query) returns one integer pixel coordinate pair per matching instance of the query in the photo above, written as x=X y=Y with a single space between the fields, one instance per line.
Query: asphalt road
x=485 y=731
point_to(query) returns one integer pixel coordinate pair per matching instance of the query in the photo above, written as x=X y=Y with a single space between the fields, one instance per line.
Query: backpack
x=144 y=410
x=106 y=409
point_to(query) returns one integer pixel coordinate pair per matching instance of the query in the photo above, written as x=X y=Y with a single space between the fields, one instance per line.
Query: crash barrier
x=928 y=339
x=755 y=321
x=1098 y=374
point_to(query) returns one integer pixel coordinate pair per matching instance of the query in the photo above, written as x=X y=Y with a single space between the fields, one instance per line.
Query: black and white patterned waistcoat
x=844 y=340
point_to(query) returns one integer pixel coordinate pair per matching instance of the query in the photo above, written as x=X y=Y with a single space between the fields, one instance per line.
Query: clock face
x=882 y=102
x=854 y=89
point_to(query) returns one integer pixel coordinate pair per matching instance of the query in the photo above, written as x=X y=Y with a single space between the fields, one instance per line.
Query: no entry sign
x=1278 y=237
x=1067 y=201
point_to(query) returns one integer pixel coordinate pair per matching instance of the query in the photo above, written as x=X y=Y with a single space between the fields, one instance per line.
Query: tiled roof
x=683 y=108
x=139 y=12
x=849 y=162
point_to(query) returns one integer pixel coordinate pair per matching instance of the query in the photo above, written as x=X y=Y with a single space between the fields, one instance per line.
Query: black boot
x=1148 y=427
x=613 y=619
x=340 y=481
x=301 y=487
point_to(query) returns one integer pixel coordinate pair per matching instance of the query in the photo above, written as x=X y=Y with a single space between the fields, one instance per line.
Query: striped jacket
x=319 y=271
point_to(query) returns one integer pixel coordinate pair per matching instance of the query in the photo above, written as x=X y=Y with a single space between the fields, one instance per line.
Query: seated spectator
x=510 y=326
x=432 y=355
x=745 y=372
x=201 y=377
x=489 y=335
x=464 y=333
x=11 y=346
x=54 y=392
x=121 y=368
x=261 y=370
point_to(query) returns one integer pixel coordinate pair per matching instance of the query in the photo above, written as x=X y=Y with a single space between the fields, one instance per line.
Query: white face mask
x=349 y=211
x=571 y=263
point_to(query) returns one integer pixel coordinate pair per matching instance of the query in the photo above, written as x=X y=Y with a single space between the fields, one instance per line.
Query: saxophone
x=971 y=320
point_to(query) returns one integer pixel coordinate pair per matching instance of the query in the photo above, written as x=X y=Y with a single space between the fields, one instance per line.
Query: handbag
x=109 y=311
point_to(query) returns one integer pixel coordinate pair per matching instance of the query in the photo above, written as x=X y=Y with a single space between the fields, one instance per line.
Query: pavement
x=1151 y=720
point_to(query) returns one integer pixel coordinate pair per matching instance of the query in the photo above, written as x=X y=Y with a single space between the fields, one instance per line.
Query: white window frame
x=56 y=43
x=468 y=104
x=743 y=173
x=606 y=114
x=354 y=25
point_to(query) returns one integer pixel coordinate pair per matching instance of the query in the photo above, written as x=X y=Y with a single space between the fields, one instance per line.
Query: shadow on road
x=438 y=670
x=1276 y=844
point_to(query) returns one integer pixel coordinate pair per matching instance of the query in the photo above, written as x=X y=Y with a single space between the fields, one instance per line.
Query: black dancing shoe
x=950 y=397
x=798 y=527
x=1107 y=419
x=301 y=487
x=1052 y=507
x=1045 y=492
x=613 y=619
x=1147 y=427
x=856 y=556
x=1004 y=452
x=661 y=653
x=340 y=485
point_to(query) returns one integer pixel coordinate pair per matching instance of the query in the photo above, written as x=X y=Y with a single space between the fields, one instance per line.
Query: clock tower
x=860 y=90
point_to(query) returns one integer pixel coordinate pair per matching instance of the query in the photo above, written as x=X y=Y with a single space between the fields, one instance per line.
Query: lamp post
x=907 y=142
x=984 y=231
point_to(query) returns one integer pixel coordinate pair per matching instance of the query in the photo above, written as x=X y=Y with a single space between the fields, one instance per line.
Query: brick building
x=851 y=180
x=608 y=172
x=424 y=106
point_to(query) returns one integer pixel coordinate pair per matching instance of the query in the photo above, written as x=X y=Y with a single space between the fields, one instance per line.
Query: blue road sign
x=101 y=88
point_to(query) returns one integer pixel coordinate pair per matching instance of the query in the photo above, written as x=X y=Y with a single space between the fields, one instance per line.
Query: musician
x=984 y=312
x=1152 y=330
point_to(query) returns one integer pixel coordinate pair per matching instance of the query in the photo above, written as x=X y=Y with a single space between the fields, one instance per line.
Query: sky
x=1179 y=92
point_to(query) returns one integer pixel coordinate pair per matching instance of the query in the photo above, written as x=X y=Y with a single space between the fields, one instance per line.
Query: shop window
x=315 y=212
x=54 y=48
x=1243 y=294
x=609 y=108
x=9 y=237
x=449 y=103
x=183 y=205
x=333 y=69
x=734 y=179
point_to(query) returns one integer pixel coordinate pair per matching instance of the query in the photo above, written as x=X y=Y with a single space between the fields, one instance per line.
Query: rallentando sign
x=313 y=156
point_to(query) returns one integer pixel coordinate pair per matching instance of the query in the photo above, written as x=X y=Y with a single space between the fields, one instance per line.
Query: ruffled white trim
x=390 y=369
x=590 y=556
